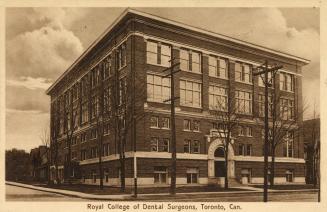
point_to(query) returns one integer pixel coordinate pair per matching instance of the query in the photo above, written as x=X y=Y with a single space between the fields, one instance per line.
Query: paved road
x=15 y=193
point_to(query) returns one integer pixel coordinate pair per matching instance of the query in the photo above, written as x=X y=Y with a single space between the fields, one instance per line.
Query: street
x=15 y=193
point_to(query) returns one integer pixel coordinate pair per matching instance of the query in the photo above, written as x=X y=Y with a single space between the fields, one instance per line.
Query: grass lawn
x=288 y=186
x=107 y=190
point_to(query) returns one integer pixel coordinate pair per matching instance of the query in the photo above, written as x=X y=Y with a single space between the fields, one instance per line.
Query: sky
x=41 y=43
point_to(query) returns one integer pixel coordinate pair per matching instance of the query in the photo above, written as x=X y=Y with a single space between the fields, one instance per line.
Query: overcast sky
x=42 y=42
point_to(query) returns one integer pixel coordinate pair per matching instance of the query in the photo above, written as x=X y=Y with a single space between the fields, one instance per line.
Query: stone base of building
x=190 y=172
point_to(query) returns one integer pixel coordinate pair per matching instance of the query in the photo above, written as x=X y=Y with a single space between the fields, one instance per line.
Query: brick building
x=127 y=61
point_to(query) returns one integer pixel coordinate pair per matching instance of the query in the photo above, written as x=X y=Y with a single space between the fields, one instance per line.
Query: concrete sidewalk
x=144 y=196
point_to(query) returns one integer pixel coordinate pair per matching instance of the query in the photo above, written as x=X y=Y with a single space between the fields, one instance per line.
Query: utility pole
x=267 y=84
x=173 y=129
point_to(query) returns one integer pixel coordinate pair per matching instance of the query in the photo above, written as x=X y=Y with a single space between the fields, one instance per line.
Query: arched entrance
x=216 y=160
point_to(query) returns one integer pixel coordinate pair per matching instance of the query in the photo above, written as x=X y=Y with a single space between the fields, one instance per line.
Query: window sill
x=216 y=77
x=190 y=71
x=161 y=102
x=247 y=83
x=158 y=128
x=155 y=64
x=190 y=106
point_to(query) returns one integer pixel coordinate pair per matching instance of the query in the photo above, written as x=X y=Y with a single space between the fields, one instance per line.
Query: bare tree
x=55 y=130
x=227 y=115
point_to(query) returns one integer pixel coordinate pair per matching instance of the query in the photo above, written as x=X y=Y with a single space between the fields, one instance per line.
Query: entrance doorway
x=220 y=168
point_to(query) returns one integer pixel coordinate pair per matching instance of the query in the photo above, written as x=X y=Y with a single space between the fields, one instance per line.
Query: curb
x=141 y=196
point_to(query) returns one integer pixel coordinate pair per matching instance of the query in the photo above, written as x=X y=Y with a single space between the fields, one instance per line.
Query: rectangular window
x=248 y=149
x=190 y=61
x=105 y=149
x=74 y=155
x=107 y=67
x=94 y=133
x=94 y=152
x=166 y=123
x=261 y=102
x=154 y=144
x=196 y=147
x=154 y=122
x=160 y=175
x=158 y=53
x=106 y=129
x=121 y=52
x=289 y=176
x=261 y=78
x=286 y=82
x=243 y=102
x=106 y=100
x=187 y=124
x=288 y=144
x=241 y=149
x=287 y=109
x=83 y=137
x=196 y=126
x=218 y=98
x=190 y=93
x=164 y=147
x=94 y=107
x=192 y=175
x=187 y=146
x=243 y=73
x=158 y=88
x=218 y=67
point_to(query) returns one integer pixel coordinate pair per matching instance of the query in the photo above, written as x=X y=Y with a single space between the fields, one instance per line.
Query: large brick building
x=132 y=54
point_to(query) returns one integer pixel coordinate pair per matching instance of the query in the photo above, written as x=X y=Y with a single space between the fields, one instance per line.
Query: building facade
x=125 y=67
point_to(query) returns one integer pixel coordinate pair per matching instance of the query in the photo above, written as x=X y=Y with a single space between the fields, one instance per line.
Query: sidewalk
x=248 y=189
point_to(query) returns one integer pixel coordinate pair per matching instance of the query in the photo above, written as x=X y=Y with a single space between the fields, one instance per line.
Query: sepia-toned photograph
x=162 y=104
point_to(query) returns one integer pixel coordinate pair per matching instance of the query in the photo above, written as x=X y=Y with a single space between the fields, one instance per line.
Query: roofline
x=176 y=23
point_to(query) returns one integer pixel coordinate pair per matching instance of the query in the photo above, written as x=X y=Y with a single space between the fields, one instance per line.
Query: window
x=107 y=67
x=261 y=102
x=243 y=102
x=190 y=61
x=85 y=113
x=122 y=90
x=74 y=155
x=83 y=154
x=158 y=53
x=83 y=137
x=74 y=140
x=159 y=146
x=218 y=67
x=243 y=73
x=166 y=123
x=94 y=152
x=164 y=145
x=245 y=131
x=121 y=52
x=245 y=150
x=105 y=149
x=94 y=133
x=187 y=146
x=287 y=109
x=160 y=175
x=94 y=107
x=106 y=100
x=286 y=82
x=154 y=142
x=154 y=122
x=192 y=175
x=288 y=144
x=289 y=176
x=158 y=88
x=190 y=93
x=196 y=126
x=217 y=98
x=187 y=124
x=106 y=175
x=196 y=147
x=261 y=78
x=106 y=129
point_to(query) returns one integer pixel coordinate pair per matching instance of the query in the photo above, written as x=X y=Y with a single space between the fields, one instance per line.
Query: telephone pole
x=173 y=129
x=267 y=84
